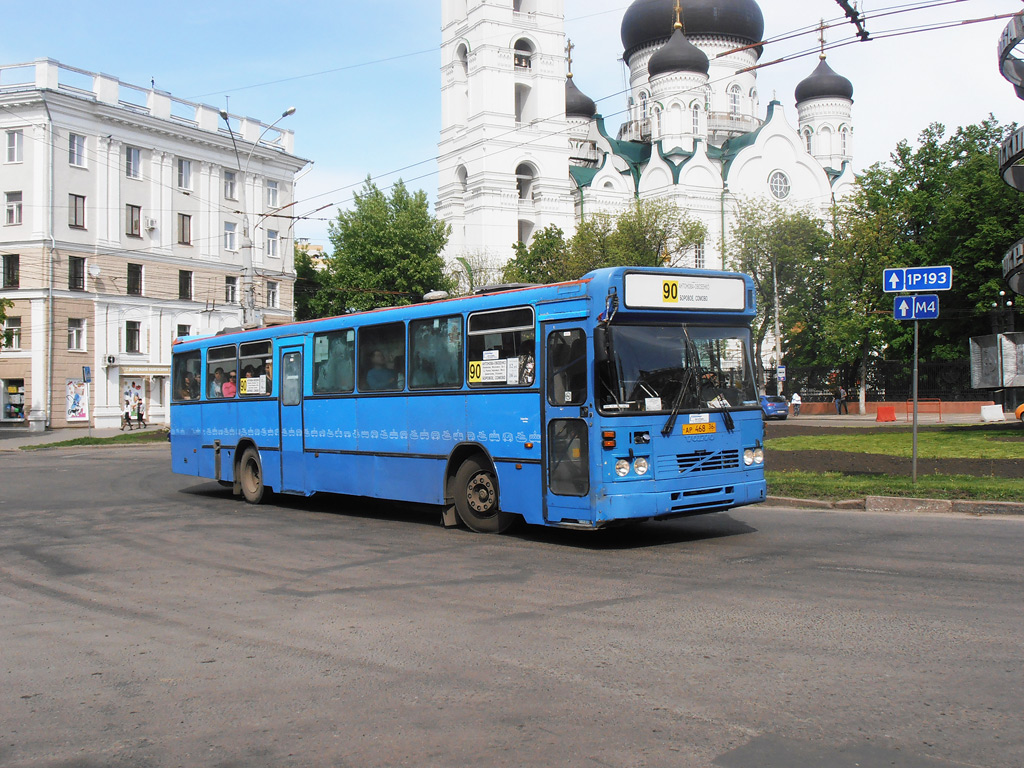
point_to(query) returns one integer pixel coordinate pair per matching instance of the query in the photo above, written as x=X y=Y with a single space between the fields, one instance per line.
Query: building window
x=734 y=100
x=643 y=105
x=184 y=284
x=76 y=150
x=11 y=265
x=522 y=55
x=133 y=220
x=133 y=162
x=132 y=336
x=184 y=174
x=273 y=239
x=843 y=142
x=184 y=229
x=778 y=184
x=134 y=279
x=183 y=331
x=230 y=230
x=698 y=255
x=272 y=194
x=15 y=146
x=76 y=334
x=12 y=333
x=230 y=192
x=807 y=140
x=272 y=295
x=76 y=273
x=696 y=120
x=230 y=290
x=76 y=211
x=13 y=200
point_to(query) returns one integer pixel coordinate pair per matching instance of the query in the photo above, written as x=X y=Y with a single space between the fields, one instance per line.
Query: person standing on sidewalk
x=842 y=402
x=796 y=402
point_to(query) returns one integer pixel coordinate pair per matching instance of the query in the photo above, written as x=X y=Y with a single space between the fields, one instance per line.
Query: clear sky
x=364 y=75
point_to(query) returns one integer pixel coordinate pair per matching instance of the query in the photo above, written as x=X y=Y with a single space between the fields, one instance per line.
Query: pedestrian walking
x=140 y=416
x=796 y=402
x=842 y=402
x=126 y=416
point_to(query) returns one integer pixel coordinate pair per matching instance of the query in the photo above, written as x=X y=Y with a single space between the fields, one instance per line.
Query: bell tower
x=503 y=167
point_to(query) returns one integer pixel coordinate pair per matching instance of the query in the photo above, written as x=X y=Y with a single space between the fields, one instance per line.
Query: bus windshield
x=672 y=368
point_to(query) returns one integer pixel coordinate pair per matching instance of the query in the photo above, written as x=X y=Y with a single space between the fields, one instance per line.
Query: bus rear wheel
x=250 y=476
x=476 y=498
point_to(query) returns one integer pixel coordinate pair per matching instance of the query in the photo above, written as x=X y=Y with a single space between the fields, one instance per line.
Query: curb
x=902 y=505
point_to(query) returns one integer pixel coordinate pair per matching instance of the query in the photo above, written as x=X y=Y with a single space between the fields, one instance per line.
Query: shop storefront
x=12 y=400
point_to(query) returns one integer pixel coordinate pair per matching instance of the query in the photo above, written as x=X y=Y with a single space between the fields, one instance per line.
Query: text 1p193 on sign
x=903 y=279
x=923 y=307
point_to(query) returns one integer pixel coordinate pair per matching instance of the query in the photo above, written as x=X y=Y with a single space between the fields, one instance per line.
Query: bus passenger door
x=293 y=476
x=567 y=409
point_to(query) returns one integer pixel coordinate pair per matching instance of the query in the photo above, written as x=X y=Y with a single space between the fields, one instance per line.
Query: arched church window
x=643 y=104
x=844 y=142
x=462 y=177
x=698 y=255
x=523 y=54
x=807 y=139
x=696 y=119
x=778 y=185
x=524 y=104
x=525 y=177
x=734 y=100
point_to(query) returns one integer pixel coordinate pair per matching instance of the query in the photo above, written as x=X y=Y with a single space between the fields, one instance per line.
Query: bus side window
x=186 y=376
x=221 y=372
x=435 y=352
x=334 y=361
x=382 y=357
x=254 y=357
x=567 y=367
x=500 y=348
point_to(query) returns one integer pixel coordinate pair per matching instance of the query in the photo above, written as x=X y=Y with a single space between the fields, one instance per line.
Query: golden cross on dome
x=679 y=17
x=821 y=39
x=568 y=54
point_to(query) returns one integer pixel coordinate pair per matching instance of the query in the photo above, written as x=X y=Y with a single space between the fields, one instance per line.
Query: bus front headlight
x=640 y=466
x=758 y=456
x=622 y=467
x=748 y=456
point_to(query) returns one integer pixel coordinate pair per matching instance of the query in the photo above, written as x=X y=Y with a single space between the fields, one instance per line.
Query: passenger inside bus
x=380 y=376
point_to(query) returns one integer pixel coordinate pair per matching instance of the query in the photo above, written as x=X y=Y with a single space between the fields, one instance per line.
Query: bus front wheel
x=250 y=475
x=476 y=498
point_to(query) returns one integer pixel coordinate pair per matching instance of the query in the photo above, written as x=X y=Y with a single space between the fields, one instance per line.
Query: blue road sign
x=86 y=373
x=924 y=306
x=917 y=279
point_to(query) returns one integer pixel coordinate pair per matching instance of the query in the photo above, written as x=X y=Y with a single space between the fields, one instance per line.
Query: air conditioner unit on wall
x=150 y=223
x=111 y=360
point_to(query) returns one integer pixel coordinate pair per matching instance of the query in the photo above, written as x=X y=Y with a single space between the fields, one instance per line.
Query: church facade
x=522 y=148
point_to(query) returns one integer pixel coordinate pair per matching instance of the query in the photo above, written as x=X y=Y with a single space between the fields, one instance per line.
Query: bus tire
x=250 y=475
x=476 y=498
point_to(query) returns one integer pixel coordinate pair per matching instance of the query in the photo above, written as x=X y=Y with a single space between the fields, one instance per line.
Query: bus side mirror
x=601 y=351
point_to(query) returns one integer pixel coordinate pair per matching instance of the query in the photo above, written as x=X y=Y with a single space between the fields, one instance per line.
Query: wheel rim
x=481 y=494
x=251 y=476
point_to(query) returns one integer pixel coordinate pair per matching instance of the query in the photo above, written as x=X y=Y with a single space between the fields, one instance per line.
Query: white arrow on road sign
x=904 y=309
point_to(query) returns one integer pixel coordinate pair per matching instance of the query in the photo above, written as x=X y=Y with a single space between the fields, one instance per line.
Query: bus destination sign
x=645 y=291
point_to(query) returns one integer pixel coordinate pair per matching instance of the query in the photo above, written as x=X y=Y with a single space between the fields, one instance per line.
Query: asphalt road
x=147 y=619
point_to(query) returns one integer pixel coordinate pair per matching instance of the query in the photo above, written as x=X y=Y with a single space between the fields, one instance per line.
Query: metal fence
x=887 y=380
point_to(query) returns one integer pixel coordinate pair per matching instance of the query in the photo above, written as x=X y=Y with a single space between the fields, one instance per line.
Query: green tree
x=949 y=206
x=387 y=250
x=310 y=295
x=654 y=233
x=542 y=261
x=782 y=248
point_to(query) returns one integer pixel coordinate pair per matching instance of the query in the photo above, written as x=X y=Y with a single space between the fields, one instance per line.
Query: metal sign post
x=918 y=307
x=87 y=380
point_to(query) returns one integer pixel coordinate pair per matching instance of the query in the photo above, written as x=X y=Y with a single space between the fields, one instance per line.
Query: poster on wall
x=77 y=400
x=132 y=394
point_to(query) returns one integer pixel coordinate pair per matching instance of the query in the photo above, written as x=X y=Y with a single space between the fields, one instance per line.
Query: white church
x=523 y=148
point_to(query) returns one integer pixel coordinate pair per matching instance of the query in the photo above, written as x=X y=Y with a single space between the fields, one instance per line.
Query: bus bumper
x=679 y=503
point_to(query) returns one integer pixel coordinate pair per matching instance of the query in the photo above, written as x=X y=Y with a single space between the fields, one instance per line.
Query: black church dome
x=823 y=83
x=650 y=21
x=577 y=103
x=678 y=55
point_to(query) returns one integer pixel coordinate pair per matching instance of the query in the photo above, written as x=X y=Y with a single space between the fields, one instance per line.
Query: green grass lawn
x=835 y=485
x=128 y=438
x=948 y=443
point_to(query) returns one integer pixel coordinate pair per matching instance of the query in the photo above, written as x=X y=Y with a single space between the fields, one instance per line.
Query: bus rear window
x=256 y=362
x=186 y=376
x=221 y=372
x=500 y=348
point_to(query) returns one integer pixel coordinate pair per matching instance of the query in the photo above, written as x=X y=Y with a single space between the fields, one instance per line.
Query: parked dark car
x=774 y=406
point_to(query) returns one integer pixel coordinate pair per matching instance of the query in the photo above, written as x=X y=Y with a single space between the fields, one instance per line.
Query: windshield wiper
x=687 y=379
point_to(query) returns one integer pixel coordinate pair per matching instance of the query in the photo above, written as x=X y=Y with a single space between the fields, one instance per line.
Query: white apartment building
x=130 y=218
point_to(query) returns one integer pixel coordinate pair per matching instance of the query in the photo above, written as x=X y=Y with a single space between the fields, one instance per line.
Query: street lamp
x=248 y=288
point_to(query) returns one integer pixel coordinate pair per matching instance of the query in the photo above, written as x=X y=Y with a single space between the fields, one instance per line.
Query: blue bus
x=627 y=395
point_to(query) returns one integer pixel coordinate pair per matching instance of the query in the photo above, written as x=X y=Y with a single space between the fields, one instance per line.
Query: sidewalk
x=13 y=440
x=868 y=420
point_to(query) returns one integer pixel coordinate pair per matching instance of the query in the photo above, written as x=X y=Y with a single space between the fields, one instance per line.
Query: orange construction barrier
x=886 y=413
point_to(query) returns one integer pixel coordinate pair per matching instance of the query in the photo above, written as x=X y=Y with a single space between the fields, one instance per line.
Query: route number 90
x=475 y=372
x=670 y=291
